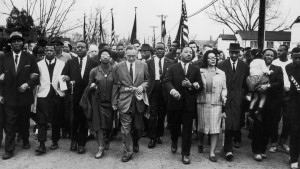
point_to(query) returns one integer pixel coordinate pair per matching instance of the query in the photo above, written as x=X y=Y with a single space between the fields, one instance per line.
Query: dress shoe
x=263 y=156
x=237 y=145
x=152 y=143
x=7 y=155
x=41 y=149
x=136 y=148
x=73 y=146
x=257 y=157
x=200 y=149
x=106 y=146
x=100 y=153
x=174 y=147
x=186 y=159
x=158 y=140
x=54 y=146
x=81 y=150
x=26 y=145
x=229 y=156
x=294 y=165
x=212 y=158
x=126 y=158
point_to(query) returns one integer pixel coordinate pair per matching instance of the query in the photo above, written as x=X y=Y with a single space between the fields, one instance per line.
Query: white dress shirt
x=84 y=59
x=187 y=67
x=18 y=60
x=156 y=65
x=133 y=69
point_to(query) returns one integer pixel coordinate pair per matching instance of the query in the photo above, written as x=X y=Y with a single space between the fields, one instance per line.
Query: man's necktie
x=16 y=59
x=233 y=67
x=131 y=71
x=184 y=68
x=80 y=63
x=160 y=67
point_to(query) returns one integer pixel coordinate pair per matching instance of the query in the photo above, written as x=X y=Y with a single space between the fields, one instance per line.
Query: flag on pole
x=163 y=30
x=101 y=30
x=183 y=30
x=84 y=31
x=112 y=29
x=169 y=42
x=133 y=33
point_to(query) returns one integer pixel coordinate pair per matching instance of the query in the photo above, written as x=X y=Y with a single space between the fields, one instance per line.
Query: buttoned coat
x=236 y=90
x=219 y=89
x=151 y=69
x=13 y=79
x=121 y=97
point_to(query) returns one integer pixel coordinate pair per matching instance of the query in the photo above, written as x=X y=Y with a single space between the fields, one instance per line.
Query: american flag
x=85 y=33
x=183 y=30
x=112 y=29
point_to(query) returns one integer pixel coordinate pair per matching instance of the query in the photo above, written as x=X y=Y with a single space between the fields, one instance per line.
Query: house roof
x=270 y=35
x=227 y=37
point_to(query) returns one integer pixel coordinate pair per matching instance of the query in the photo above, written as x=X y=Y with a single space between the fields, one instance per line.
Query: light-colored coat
x=121 y=97
x=44 y=87
x=219 y=90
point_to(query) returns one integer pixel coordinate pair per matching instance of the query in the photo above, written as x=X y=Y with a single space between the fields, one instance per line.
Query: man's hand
x=23 y=88
x=139 y=90
x=1 y=100
x=93 y=86
x=262 y=88
x=196 y=85
x=286 y=89
x=2 y=77
x=65 y=78
x=175 y=94
x=186 y=83
x=114 y=107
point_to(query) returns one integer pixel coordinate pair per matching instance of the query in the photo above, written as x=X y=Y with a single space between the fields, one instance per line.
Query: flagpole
x=112 y=29
x=84 y=31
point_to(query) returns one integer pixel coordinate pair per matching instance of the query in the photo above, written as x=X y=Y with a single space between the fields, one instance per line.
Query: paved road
x=158 y=158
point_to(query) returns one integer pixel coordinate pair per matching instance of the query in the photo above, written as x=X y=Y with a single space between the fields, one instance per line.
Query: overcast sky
x=200 y=26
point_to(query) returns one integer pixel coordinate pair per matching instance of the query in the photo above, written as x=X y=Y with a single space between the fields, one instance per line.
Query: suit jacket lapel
x=180 y=68
x=12 y=62
x=55 y=71
x=21 y=63
x=238 y=69
x=125 y=69
x=166 y=63
x=152 y=67
x=137 y=67
x=87 y=66
x=229 y=67
x=45 y=68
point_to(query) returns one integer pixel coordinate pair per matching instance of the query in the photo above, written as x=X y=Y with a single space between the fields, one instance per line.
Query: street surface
x=158 y=158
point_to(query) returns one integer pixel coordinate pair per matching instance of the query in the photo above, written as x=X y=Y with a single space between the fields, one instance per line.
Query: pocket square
x=27 y=66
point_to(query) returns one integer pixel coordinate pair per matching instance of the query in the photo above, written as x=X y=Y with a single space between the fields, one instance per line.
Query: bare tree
x=50 y=16
x=243 y=14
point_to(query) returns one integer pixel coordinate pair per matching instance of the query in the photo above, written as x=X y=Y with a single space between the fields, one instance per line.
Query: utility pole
x=162 y=16
x=261 y=24
x=153 y=27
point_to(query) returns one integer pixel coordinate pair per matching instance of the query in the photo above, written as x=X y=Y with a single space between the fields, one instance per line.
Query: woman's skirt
x=209 y=117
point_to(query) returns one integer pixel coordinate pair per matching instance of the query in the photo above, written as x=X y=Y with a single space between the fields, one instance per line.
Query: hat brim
x=235 y=49
x=14 y=38
x=62 y=44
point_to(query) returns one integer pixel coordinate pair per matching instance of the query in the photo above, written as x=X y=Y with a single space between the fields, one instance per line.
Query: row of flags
x=181 y=37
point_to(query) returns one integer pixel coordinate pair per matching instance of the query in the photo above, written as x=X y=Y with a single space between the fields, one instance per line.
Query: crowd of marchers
x=87 y=92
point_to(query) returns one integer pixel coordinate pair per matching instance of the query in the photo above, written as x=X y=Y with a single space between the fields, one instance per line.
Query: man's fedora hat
x=57 y=40
x=14 y=36
x=234 y=47
x=146 y=47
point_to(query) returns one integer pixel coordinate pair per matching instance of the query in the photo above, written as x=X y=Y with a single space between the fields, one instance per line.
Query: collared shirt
x=50 y=61
x=133 y=68
x=156 y=65
x=235 y=63
x=84 y=59
x=64 y=56
x=18 y=60
x=187 y=66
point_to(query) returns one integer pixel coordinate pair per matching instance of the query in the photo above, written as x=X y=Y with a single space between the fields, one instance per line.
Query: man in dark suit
x=20 y=75
x=129 y=97
x=236 y=72
x=267 y=128
x=172 y=54
x=182 y=81
x=158 y=97
x=78 y=70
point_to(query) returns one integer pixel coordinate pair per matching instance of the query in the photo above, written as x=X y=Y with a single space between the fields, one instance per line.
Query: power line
x=195 y=13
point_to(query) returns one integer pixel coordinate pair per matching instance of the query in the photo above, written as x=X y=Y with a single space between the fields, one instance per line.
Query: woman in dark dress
x=101 y=80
